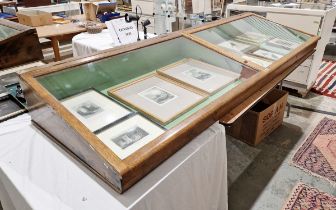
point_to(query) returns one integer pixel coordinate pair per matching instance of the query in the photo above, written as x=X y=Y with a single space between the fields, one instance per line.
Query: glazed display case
x=253 y=40
x=313 y=18
x=124 y=111
x=19 y=44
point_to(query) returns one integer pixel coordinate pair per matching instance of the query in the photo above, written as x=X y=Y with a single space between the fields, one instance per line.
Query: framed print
x=288 y=45
x=258 y=61
x=130 y=135
x=252 y=37
x=234 y=45
x=200 y=75
x=273 y=48
x=94 y=109
x=267 y=54
x=157 y=97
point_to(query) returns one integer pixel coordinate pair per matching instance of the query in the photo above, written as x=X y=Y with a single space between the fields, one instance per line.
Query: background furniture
x=35 y=173
x=19 y=44
x=3 y=14
x=313 y=21
x=34 y=3
x=7 y=4
x=59 y=32
x=85 y=44
x=69 y=9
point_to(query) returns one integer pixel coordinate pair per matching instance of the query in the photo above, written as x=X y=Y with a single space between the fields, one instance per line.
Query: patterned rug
x=326 y=80
x=317 y=155
x=304 y=197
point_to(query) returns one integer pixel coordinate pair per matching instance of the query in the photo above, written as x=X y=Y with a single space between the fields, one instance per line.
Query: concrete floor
x=261 y=178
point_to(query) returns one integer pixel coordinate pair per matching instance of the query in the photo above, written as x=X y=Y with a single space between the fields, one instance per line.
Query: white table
x=37 y=174
x=85 y=44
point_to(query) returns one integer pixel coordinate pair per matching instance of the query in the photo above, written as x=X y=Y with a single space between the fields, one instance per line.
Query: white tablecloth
x=37 y=174
x=85 y=44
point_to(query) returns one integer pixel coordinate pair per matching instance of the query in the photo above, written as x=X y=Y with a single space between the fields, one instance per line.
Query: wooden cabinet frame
x=48 y=113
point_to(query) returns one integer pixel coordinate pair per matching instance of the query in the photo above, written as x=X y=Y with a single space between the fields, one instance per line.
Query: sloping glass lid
x=183 y=62
x=6 y=32
x=255 y=39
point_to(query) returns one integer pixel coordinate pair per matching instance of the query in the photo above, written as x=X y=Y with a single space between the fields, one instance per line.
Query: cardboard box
x=261 y=120
x=92 y=9
x=34 y=18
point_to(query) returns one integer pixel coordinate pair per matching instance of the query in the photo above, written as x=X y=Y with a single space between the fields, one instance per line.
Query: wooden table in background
x=60 y=32
x=57 y=33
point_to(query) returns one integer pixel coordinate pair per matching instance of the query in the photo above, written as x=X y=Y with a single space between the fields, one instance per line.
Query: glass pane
x=6 y=32
x=118 y=70
x=288 y=5
x=255 y=39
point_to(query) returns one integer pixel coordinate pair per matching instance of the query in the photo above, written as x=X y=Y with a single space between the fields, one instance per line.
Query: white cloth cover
x=85 y=44
x=37 y=174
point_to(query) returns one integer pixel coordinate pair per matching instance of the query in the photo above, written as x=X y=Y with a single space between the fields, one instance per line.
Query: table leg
x=55 y=46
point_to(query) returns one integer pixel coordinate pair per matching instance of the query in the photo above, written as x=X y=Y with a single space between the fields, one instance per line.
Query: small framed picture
x=130 y=135
x=274 y=48
x=161 y=99
x=235 y=46
x=252 y=37
x=200 y=75
x=288 y=45
x=94 y=109
x=258 y=61
x=267 y=54
x=158 y=95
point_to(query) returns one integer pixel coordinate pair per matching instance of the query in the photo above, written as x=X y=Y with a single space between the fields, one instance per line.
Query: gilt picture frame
x=94 y=109
x=252 y=38
x=235 y=46
x=200 y=75
x=258 y=61
x=267 y=54
x=130 y=135
x=157 y=97
x=284 y=44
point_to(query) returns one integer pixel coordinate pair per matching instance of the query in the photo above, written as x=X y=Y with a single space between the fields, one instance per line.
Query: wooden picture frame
x=265 y=54
x=207 y=85
x=95 y=110
x=235 y=45
x=257 y=60
x=252 y=38
x=153 y=105
x=47 y=112
x=285 y=44
x=130 y=135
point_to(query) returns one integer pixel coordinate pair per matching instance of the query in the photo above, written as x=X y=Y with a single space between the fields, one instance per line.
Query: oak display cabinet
x=115 y=89
x=253 y=40
x=19 y=44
